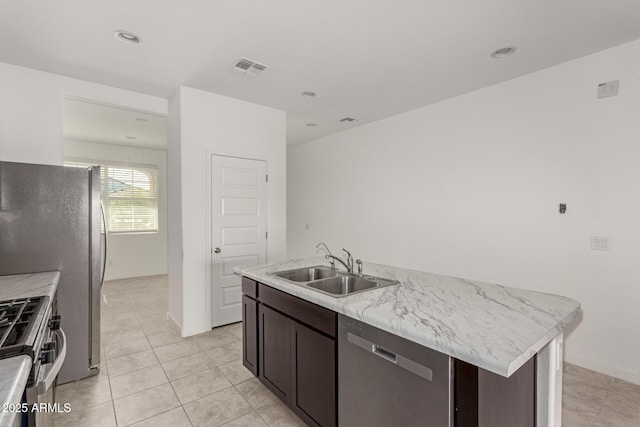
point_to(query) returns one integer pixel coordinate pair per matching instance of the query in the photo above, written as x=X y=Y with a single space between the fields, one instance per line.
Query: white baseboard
x=108 y=277
x=174 y=323
x=613 y=371
x=184 y=333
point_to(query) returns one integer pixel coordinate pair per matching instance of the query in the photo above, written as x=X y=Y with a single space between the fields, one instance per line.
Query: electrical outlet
x=599 y=243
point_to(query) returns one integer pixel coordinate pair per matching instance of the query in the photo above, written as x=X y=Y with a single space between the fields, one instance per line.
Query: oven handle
x=47 y=381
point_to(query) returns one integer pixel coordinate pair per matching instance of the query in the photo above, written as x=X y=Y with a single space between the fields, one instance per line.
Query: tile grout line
x=113 y=403
x=181 y=406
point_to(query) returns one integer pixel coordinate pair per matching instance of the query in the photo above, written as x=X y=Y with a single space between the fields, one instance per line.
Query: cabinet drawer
x=249 y=287
x=303 y=311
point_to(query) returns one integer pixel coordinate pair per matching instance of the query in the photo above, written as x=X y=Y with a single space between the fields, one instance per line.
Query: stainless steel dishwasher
x=387 y=381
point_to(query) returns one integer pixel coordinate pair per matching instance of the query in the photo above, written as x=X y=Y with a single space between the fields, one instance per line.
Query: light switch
x=608 y=89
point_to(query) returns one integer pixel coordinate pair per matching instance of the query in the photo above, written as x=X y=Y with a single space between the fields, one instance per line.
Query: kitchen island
x=494 y=328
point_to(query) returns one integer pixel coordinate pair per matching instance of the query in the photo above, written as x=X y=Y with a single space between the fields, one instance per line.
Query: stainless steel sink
x=307 y=274
x=343 y=285
x=332 y=282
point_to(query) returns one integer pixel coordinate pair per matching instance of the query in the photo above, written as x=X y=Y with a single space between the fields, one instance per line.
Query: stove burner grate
x=17 y=319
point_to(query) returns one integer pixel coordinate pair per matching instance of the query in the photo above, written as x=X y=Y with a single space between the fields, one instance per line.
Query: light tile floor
x=152 y=377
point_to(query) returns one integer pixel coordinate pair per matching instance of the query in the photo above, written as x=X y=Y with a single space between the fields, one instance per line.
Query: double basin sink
x=333 y=282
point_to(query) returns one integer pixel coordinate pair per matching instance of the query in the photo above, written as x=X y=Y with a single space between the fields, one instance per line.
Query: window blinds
x=130 y=197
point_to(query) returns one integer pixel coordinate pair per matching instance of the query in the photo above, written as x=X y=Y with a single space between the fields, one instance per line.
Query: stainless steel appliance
x=50 y=219
x=28 y=327
x=405 y=383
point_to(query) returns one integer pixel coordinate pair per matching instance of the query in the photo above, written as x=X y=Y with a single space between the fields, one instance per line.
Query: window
x=130 y=196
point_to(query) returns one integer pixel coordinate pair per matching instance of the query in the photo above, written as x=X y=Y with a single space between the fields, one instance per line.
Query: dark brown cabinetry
x=250 y=325
x=485 y=399
x=313 y=394
x=275 y=352
x=250 y=334
x=296 y=353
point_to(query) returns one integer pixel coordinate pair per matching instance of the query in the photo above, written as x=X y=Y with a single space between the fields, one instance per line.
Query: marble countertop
x=495 y=327
x=29 y=285
x=14 y=373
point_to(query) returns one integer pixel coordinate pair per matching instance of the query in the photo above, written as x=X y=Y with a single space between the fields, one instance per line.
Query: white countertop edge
x=15 y=373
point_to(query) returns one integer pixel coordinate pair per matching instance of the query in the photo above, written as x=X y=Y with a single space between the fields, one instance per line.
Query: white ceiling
x=367 y=59
x=87 y=121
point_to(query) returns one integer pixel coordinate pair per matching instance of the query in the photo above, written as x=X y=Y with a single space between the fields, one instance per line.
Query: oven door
x=43 y=393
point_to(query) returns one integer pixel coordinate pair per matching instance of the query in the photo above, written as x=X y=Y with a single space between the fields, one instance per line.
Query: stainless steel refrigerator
x=50 y=219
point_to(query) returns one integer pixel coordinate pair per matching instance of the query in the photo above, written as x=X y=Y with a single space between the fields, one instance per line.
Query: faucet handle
x=359 y=262
x=349 y=261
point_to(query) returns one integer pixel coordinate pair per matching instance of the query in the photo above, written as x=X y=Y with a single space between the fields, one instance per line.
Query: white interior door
x=239 y=229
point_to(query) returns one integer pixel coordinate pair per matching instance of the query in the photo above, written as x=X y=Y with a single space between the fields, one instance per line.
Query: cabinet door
x=274 y=340
x=250 y=334
x=313 y=395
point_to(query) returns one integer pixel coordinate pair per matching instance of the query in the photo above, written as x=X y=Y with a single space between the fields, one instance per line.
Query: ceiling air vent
x=348 y=119
x=250 y=67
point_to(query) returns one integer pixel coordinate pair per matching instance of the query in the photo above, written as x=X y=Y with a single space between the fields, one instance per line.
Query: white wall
x=202 y=123
x=174 y=210
x=31 y=105
x=131 y=254
x=470 y=187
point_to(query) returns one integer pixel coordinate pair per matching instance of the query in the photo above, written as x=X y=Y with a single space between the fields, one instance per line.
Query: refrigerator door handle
x=106 y=243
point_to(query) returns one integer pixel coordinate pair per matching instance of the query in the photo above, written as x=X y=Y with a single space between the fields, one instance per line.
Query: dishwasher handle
x=385 y=354
x=397 y=359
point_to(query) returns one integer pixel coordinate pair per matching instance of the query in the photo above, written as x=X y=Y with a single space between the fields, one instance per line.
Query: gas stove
x=28 y=327
x=21 y=320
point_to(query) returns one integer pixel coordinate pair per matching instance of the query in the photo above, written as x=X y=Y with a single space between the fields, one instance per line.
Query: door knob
x=217 y=250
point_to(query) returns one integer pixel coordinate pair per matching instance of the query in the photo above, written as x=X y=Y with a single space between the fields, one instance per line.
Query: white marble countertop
x=29 y=285
x=14 y=373
x=494 y=327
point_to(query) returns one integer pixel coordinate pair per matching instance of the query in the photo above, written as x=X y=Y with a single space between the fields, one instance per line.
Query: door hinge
x=267 y=178
x=266 y=234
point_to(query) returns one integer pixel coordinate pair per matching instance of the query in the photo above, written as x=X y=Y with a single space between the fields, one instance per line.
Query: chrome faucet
x=349 y=260
x=348 y=265
x=326 y=248
x=359 y=262
x=332 y=259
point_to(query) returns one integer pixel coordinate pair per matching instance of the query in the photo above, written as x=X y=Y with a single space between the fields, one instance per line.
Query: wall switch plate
x=608 y=89
x=599 y=243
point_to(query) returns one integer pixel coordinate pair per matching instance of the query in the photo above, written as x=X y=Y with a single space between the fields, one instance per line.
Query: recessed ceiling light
x=503 y=52
x=140 y=119
x=132 y=137
x=311 y=125
x=309 y=94
x=348 y=119
x=127 y=36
